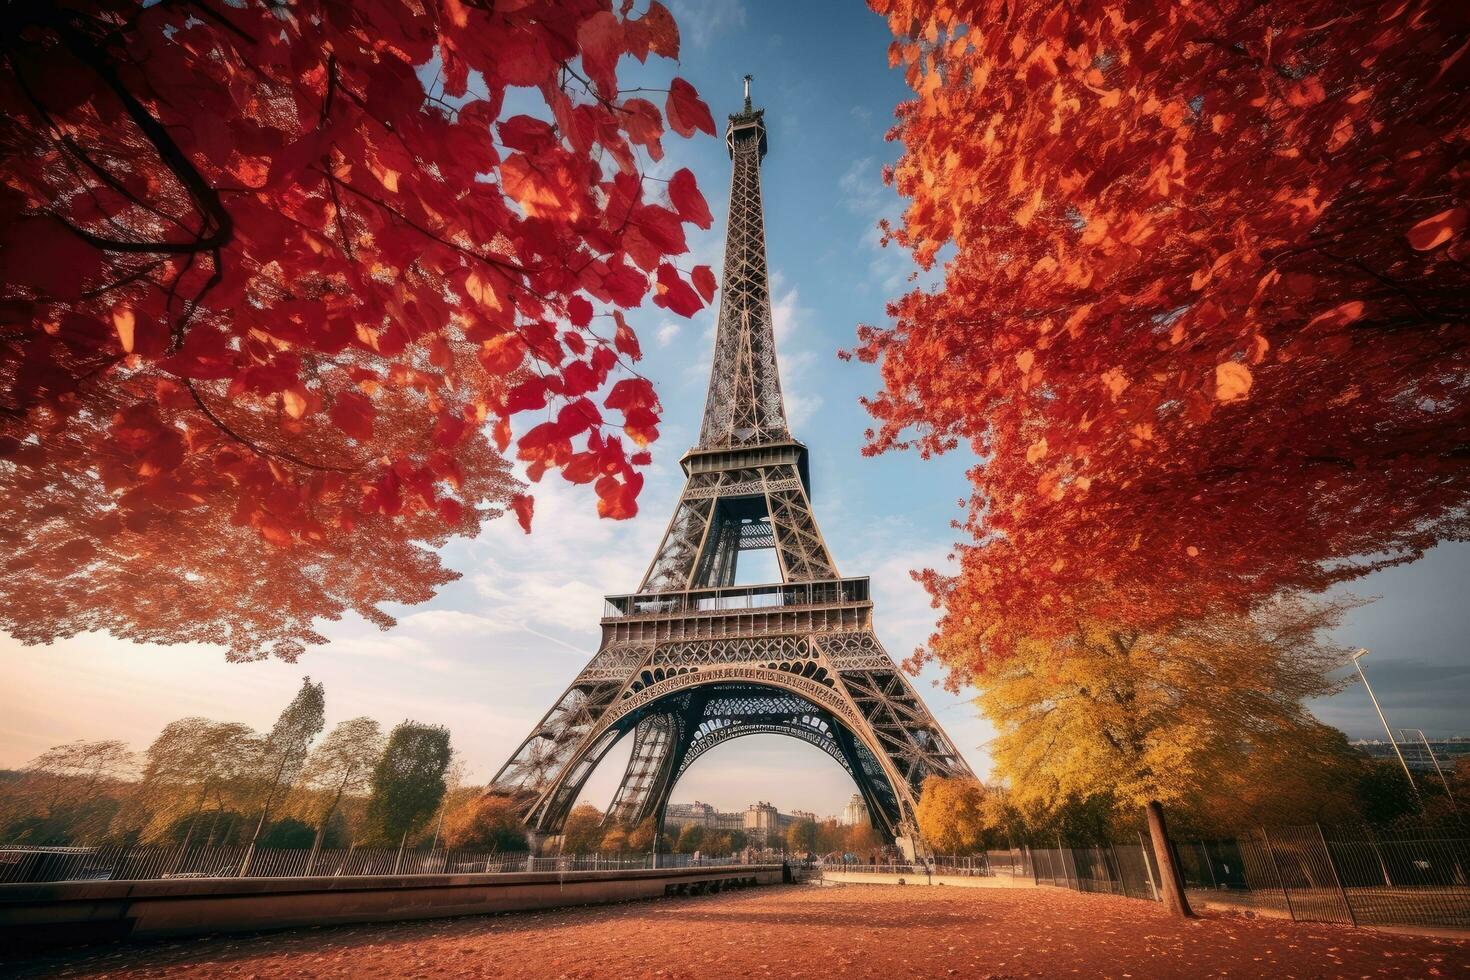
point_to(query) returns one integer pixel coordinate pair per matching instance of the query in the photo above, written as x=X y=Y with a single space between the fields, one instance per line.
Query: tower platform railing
x=828 y=592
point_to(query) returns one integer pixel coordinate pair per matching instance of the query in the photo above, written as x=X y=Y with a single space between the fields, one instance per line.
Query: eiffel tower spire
x=744 y=404
x=692 y=660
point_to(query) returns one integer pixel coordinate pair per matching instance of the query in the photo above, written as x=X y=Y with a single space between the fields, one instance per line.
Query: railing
x=913 y=868
x=119 y=862
x=1334 y=875
x=1311 y=874
x=835 y=591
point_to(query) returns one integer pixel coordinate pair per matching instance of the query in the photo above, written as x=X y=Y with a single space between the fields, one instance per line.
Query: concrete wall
x=66 y=913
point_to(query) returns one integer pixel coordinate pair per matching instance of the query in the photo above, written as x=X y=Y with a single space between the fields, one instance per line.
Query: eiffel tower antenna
x=692 y=660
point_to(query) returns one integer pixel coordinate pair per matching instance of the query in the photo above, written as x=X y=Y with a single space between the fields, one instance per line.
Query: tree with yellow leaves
x=1155 y=719
x=952 y=814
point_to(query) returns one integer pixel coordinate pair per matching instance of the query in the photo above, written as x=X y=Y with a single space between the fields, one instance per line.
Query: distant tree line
x=205 y=782
x=1320 y=779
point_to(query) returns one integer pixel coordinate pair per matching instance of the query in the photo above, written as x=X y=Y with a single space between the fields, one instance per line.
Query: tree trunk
x=316 y=846
x=321 y=828
x=189 y=835
x=398 y=862
x=1169 y=876
x=265 y=811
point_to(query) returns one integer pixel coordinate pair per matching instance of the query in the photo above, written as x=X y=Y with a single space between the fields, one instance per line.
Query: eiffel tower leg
x=883 y=807
x=687 y=724
x=648 y=768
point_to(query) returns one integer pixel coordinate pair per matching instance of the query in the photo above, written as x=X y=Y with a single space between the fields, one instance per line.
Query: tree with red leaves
x=1204 y=307
x=271 y=298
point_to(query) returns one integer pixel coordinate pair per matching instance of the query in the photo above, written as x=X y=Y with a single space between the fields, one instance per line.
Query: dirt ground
x=798 y=931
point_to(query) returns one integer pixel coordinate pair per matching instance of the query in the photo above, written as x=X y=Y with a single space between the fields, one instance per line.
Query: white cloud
x=787 y=312
x=668 y=331
x=453 y=622
x=862 y=187
x=800 y=408
x=701 y=21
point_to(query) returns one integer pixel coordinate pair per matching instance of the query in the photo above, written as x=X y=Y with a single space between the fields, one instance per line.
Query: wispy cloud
x=863 y=191
x=701 y=21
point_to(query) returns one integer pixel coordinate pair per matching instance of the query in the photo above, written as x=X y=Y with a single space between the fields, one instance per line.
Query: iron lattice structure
x=691 y=661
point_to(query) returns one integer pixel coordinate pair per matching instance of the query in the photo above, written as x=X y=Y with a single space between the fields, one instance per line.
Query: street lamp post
x=1358 y=656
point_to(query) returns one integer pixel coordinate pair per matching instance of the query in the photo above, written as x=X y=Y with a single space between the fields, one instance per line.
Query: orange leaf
x=1232 y=381
x=295 y=401
x=1437 y=229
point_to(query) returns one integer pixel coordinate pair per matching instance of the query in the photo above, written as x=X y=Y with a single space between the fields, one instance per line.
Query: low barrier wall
x=69 y=913
x=837 y=877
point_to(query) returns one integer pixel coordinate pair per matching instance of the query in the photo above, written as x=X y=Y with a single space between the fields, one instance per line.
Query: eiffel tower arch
x=691 y=660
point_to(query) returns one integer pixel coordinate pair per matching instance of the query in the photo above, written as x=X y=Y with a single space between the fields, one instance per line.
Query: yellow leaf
x=387 y=176
x=1116 y=382
x=123 y=321
x=1232 y=381
x=295 y=403
x=483 y=291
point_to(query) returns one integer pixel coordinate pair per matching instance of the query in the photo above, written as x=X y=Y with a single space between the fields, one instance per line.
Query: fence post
x=1378 y=853
x=1336 y=878
x=1122 y=878
x=1148 y=868
x=1276 y=869
x=1209 y=866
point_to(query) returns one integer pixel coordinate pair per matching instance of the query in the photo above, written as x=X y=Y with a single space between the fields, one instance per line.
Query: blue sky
x=489 y=655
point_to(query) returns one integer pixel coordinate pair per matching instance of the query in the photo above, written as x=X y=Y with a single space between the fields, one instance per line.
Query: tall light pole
x=1358 y=656
x=1449 y=793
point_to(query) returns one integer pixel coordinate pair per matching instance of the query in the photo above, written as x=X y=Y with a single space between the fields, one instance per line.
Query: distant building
x=677 y=816
x=855 y=814
x=762 y=823
x=728 y=821
x=1447 y=750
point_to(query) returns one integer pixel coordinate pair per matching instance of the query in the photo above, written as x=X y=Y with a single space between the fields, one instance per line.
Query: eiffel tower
x=691 y=660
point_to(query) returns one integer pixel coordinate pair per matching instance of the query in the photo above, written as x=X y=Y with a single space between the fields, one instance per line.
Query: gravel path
x=875 y=931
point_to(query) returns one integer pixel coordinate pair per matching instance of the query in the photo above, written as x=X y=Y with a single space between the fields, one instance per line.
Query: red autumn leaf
x=525 y=396
x=619 y=501
x=601 y=40
x=1437 y=229
x=503 y=354
x=654 y=33
x=353 y=414
x=673 y=293
x=577 y=417
x=451 y=512
x=449 y=429
x=704 y=281
x=687 y=199
x=523 y=505
x=625 y=340
x=686 y=111
x=528 y=134
x=579 y=311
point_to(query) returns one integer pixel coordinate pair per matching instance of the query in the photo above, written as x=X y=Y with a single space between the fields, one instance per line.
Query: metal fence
x=1311 y=874
x=1319 y=874
x=33 y=864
